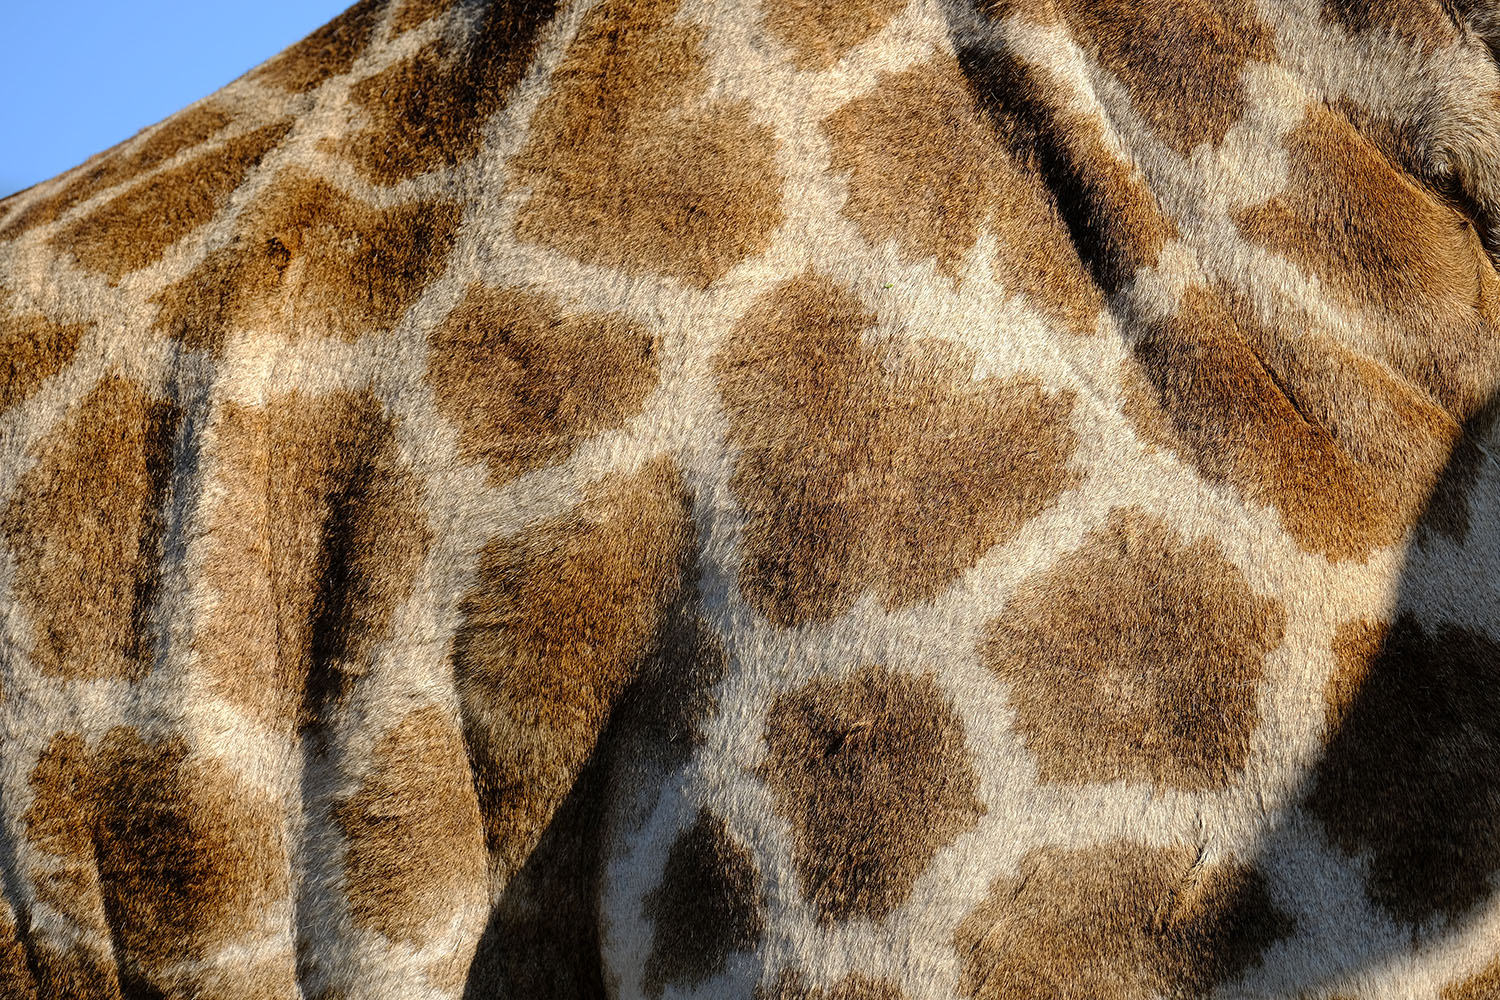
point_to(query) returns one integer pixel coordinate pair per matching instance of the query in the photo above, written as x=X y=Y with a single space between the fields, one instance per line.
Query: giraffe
x=776 y=499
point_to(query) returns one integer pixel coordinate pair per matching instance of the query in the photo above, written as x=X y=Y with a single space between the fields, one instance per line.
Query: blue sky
x=80 y=76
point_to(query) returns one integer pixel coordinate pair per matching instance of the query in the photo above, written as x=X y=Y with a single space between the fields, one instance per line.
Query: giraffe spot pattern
x=309 y=260
x=874 y=775
x=133 y=229
x=1139 y=656
x=1113 y=218
x=184 y=857
x=1347 y=451
x=415 y=13
x=1426 y=24
x=674 y=696
x=1382 y=243
x=706 y=908
x=928 y=170
x=430 y=111
x=1408 y=776
x=1115 y=922
x=542 y=941
x=16 y=979
x=85 y=526
x=629 y=163
x=177 y=134
x=318 y=539
x=562 y=618
x=818 y=33
x=415 y=847
x=870 y=464
x=328 y=52
x=1181 y=62
x=526 y=382
x=34 y=349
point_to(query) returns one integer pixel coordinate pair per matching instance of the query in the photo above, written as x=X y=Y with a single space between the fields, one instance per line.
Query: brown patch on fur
x=929 y=172
x=1181 y=60
x=16 y=980
x=1424 y=23
x=526 y=382
x=674 y=696
x=871 y=464
x=818 y=33
x=706 y=908
x=790 y=985
x=116 y=166
x=630 y=165
x=1137 y=657
x=315 y=544
x=1117 y=922
x=430 y=111
x=542 y=941
x=85 y=526
x=1346 y=450
x=134 y=229
x=32 y=350
x=875 y=777
x=1485 y=986
x=1409 y=776
x=1383 y=243
x=415 y=13
x=309 y=260
x=186 y=858
x=1112 y=217
x=561 y=620
x=328 y=52
x=415 y=849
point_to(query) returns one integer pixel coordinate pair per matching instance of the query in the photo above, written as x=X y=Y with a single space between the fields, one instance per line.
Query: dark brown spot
x=123 y=163
x=1424 y=23
x=430 y=111
x=1118 y=922
x=1409 y=776
x=415 y=13
x=327 y=52
x=542 y=941
x=186 y=858
x=85 y=526
x=16 y=980
x=1181 y=60
x=872 y=464
x=1346 y=450
x=32 y=350
x=1137 y=657
x=134 y=229
x=629 y=164
x=818 y=33
x=526 y=382
x=561 y=620
x=415 y=851
x=674 y=696
x=875 y=777
x=1113 y=218
x=790 y=985
x=706 y=908
x=928 y=171
x=1388 y=246
x=310 y=261
x=317 y=541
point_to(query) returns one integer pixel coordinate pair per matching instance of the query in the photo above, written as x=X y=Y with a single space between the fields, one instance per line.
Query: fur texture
x=794 y=500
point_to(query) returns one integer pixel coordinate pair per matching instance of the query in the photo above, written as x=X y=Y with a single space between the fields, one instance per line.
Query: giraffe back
x=781 y=499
